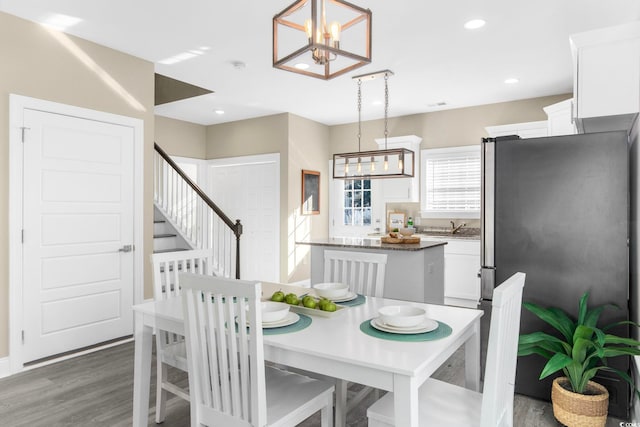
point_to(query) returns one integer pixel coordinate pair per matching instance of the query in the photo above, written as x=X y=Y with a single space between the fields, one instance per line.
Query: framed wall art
x=396 y=220
x=310 y=192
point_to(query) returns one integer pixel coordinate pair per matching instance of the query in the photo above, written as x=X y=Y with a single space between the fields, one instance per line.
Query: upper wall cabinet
x=560 y=118
x=606 y=74
x=402 y=189
x=523 y=130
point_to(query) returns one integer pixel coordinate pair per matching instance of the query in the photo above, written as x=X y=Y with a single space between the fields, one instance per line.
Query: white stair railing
x=196 y=215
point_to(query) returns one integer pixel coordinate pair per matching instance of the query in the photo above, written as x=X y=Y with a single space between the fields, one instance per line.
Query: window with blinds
x=451 y=179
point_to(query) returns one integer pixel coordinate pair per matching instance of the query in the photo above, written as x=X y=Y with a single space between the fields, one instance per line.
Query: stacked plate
x=403 y=319
x=336 y=292
x=277 y=315
x=289 y=319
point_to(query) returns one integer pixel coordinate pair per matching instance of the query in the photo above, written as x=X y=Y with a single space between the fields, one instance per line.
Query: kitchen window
x=357 y=202
x=451 y=179
x=356 y=207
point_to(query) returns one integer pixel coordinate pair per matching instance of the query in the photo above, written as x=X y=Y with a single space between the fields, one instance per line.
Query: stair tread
x=162 y=251
x=164 y=235
x=159 y=221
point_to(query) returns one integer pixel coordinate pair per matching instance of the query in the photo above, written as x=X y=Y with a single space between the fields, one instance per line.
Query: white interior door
x=78 y=217
x=250 y=192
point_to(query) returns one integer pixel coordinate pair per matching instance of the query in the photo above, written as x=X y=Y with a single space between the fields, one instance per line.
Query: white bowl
x=410 y=231
x=331 y=290
x=273 y=311
x=401 y=316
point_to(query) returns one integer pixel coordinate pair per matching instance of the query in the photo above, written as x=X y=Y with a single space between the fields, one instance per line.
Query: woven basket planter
x=580 y=410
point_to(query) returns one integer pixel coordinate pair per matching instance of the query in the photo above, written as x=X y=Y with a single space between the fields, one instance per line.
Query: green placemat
x=360 y=299
x=298 y=326
x=443 y=330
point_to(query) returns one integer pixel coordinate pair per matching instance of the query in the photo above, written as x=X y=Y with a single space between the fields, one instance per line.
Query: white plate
x=349 y=297
x=427 y=325
x=289 y=319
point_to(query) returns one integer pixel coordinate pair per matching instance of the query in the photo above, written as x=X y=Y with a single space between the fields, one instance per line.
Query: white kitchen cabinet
x=560 y=118
x=523 y=130
x=461 y=266
x=606 y=77
x=402 y=189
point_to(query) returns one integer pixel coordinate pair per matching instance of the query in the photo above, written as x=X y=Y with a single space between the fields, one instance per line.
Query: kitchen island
x=414 y=272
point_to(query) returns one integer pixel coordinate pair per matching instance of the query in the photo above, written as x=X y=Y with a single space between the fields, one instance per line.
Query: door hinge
x=23 y=337
x=22 y=235
x=23 y=128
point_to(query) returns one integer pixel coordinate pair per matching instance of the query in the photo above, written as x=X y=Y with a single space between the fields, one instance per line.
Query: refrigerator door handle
x=487 y=282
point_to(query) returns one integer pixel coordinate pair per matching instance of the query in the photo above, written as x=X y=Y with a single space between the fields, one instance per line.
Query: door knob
x=126 y=248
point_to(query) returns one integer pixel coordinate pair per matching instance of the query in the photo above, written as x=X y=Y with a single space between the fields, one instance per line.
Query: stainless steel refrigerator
x=557 y=209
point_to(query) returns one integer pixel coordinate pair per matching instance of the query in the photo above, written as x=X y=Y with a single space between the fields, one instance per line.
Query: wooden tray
x=388 y=239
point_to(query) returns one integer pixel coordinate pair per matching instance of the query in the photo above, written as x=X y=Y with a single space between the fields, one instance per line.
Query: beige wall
x=448 y=128
x=308 y=149
x=302 y=144
x=264 y=135
x=180 y=138
x=55 y=67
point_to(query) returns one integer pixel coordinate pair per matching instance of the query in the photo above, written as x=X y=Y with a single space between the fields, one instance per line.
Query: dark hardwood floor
x=96 y=390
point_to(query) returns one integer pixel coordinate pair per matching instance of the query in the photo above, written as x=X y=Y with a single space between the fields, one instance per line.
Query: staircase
x=166 y=238
x=186 y=218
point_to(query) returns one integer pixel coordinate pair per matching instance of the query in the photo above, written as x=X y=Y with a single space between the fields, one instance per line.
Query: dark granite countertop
x=364 y=243
x=464 y=234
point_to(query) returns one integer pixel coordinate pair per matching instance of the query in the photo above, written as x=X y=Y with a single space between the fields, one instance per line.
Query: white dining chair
x=444 y=404
x=230 y=384
x=170 y=348
x=364 y=272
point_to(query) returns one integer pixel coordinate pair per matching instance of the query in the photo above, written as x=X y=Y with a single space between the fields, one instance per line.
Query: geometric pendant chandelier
x=387 y=163
x=322 y=38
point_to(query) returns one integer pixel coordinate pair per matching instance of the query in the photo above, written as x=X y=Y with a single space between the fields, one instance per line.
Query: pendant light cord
x=386 y=107
x=359 y=112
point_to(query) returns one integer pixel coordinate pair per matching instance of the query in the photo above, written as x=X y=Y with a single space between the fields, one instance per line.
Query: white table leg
x=341 y=403
x=405 y=401
x=141 y=371
x=472 y=359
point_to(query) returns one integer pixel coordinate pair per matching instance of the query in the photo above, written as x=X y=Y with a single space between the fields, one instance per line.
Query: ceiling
x=424 y=43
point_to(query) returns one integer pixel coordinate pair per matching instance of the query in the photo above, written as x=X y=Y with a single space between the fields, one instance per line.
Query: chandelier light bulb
x=346 y=166
x=386 y=163
x=373 y=164
x=335 y=31
x=308 y=28
x=359 y=168
x=400 y=162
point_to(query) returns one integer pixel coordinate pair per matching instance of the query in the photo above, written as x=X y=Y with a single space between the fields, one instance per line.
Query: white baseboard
x=5 y=367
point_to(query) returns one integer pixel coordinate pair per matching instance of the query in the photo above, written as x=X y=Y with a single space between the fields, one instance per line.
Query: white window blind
x=451 y=182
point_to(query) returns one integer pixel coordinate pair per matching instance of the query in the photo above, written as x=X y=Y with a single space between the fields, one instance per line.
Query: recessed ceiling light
x=238 y=65
x=511 y=81
x=474 y=24
x=301 y=66
x=220 y=112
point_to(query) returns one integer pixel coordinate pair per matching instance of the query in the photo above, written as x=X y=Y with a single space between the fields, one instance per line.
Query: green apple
x=291 y=299
x=309 y=301
x=277 y=296
x=330 y=306
x=323 y=302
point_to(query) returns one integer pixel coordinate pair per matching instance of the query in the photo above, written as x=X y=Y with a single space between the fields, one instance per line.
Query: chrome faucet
x=454 y=228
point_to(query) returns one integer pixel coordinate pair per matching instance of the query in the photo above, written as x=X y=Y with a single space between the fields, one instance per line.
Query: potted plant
x=580 y=351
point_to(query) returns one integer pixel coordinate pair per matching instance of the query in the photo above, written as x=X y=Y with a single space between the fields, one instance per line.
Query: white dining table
x=335 y=347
